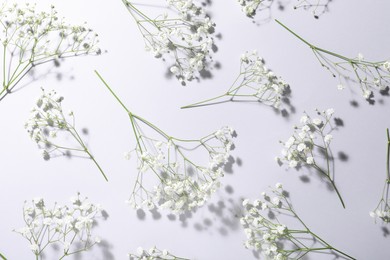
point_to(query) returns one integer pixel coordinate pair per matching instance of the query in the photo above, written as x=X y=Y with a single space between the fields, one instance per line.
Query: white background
x=213 y=232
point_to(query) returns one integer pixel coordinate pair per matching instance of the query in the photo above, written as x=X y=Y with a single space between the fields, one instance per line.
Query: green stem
x=112 y=92
x=313 y=46
x=296 y=35
x=97 y=164
x=316 y=236
x=332 y=182
x=2 y=256
x=204 y=101
x=4 y=55
x=388 y=156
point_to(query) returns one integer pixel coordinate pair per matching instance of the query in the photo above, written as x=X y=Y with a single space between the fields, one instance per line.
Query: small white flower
x=281 y=229
x=317 y=121
x=329 y=111
x=340 y=87
x=310 y=160
x=328 y=138
x=276 y=200
x=290 y=142
x=293 y=164
x=360 y=57
x=301 y=147
x=305 y=128
x=140 y=251
x=367 y=93
x=304 y=119
x=174 y=69
x=386 y=65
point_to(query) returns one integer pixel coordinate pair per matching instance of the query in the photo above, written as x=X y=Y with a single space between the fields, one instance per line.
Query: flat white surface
x=213 y=232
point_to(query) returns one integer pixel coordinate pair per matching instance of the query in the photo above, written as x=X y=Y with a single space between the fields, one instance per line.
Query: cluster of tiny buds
x=299 y=148
x=153 y=254
x=262 y=234
x=366 y=78
x=46 y=121
x=384 y=215
x=179 y=191
x=67 y=225
x=269 y=88
x=186 y=39
x=249 y=7
x=33 y=32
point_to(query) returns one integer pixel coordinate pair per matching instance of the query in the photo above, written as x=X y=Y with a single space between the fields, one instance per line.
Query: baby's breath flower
x=153 y=254
x=63 y=225
x=368 y=74
x=255 y=82
x=48 y=126
x=184 y=36
x=382 y=210
x=183 y=183
x=272 y=238
x=261 y=9
x=31 y=38
x=311 y=140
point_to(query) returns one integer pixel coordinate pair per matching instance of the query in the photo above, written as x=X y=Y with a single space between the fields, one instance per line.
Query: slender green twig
x=369 y=75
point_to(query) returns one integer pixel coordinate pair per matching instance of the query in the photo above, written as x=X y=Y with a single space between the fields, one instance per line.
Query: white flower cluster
x=249 y=7
x=267 y=235
x=383 y=214
x=370 y=75
x=183 y=183
x=68 y=227
x=310 y=146
x=313 y=133
x=153 y=254
x=185 y=36
x=382 y=210
x=47 y=123
x=263 y=234
x=254 y=82
x=262 y=83
x=31 y=37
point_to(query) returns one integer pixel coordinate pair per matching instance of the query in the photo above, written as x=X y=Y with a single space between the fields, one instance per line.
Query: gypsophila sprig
x=249 y=7
x=255 y=82
x=154 y=254
x=31 y=38
x=382 y=210
x=261 y=9
x=263 y=225
x=317 y=7
x=50 y=128
x=369 y=75
x=183 y=183
x=182 y=34
x=309 y=146
x=252 y=8
x=69 y=228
